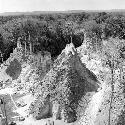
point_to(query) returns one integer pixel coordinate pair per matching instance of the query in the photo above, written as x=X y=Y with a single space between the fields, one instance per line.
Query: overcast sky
x=57 y=5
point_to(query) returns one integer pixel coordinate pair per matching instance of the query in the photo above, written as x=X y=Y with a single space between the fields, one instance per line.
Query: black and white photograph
x=62 y=62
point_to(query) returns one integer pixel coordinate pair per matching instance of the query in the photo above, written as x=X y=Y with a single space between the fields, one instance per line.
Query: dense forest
x=71 y=63
x=51 y=32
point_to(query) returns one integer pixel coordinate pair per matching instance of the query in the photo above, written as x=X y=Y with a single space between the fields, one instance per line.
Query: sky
x=59 y=5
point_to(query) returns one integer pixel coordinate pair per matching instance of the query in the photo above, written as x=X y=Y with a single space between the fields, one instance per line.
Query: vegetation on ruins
x=54 y=76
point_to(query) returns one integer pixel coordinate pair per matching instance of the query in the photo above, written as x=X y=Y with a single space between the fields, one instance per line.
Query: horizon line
x=94 y=10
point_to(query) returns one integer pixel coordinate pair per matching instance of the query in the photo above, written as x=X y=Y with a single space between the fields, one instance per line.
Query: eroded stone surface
x=66 y=83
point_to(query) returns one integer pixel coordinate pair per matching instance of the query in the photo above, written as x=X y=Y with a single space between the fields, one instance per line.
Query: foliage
x=51 y=32
x=112 y=51
x=94 y=33
x=114 y=27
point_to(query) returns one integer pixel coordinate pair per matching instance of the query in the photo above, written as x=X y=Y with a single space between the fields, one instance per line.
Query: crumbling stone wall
x=66 y=85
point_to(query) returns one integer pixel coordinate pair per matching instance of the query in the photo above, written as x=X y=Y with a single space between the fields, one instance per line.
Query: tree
x=30 y=31
x=94 y=33
x=112 y=54
x=101 y=17
x=114 y=26
x=1 y=43
x=69 y=31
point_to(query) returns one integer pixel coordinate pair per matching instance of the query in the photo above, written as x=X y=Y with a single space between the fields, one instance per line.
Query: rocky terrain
x=64 y=87
x=75 y=89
